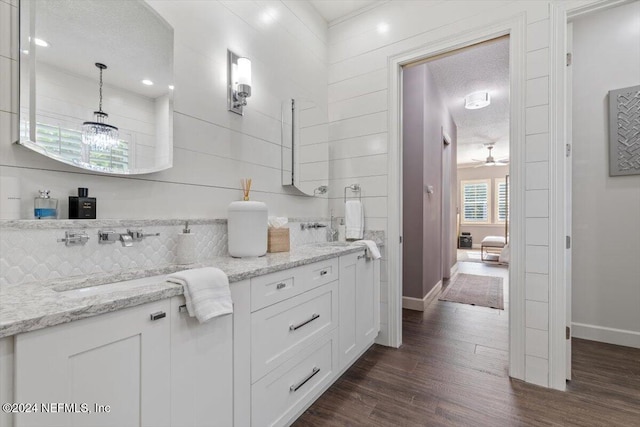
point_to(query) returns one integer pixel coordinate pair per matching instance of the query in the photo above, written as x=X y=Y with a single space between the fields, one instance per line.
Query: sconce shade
x=244 y=71
x=238 y=82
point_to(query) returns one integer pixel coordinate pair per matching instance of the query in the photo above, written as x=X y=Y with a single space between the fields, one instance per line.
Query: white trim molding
x=515 y=27
x=606 y=335
x=420 y=304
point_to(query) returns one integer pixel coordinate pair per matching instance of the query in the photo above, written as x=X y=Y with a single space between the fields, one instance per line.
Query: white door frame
x=516 y=28
x=560 y=261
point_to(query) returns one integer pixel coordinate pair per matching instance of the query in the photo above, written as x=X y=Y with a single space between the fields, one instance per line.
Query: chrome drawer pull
x=363 y=255
x=182 y=308
x=281 y=285
x=323 y=272
x=313 y=373
x=300 y=325
x=158 y=315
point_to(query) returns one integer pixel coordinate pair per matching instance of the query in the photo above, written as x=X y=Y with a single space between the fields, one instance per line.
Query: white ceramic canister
x=247 y=229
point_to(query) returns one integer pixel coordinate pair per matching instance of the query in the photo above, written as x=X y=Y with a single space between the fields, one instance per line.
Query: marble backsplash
x=30 y=251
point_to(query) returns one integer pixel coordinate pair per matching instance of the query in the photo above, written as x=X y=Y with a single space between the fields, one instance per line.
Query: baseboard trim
x=420 y=304
x=454 y=270
x=606 y=335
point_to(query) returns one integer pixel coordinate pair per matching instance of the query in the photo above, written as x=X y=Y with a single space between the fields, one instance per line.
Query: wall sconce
x=238 y=82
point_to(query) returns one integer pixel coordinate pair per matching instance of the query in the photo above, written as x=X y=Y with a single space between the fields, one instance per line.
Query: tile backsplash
x=30 y=251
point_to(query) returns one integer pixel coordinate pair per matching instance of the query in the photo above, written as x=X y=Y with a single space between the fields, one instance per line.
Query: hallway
x=452 y=370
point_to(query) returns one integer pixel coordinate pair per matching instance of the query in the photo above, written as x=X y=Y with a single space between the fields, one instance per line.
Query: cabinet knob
x=281 y=285
x=323 y=272
x=158 y=315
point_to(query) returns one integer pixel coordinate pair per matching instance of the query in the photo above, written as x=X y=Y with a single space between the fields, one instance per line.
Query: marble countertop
x=28 y=307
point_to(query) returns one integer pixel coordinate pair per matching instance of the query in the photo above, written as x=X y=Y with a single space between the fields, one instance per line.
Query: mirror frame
x=34 y=146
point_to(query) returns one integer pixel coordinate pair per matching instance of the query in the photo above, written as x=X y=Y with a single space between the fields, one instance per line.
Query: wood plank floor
x=452 y=370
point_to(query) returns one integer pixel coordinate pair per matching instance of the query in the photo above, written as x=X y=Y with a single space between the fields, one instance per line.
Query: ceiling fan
x=490 y=161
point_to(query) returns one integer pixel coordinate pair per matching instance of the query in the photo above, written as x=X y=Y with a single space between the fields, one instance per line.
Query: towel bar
x=354 y=188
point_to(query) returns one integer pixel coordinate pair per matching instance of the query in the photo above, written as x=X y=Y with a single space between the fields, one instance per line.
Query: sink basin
x=108 y=288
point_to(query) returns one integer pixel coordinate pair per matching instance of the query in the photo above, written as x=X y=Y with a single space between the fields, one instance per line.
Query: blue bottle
x=45 y=207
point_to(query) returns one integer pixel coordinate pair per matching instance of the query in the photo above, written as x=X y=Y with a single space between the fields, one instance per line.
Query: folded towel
x=372 y=249
x=354 y=219
x=206 y=291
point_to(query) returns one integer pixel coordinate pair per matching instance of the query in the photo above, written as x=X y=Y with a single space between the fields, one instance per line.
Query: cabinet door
x=348 y=312
x=201 y=369
x=368 y=301
x=119 y=359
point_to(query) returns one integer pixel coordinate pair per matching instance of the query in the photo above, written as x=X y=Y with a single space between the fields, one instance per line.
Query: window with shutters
x=501 y=201
x=66 y=144
x=476 y=195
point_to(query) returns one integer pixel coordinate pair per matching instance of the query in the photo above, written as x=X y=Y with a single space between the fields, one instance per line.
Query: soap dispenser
x=44 y=206
x=186 y=247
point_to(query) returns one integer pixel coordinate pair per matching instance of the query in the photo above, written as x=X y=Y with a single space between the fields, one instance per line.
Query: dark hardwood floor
x=452 y=371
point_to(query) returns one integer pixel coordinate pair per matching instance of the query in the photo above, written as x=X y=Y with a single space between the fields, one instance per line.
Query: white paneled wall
x=213 y=148
x=358 y=78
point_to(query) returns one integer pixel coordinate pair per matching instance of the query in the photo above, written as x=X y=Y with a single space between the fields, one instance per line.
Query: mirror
x=123 y=125
x=305 y=147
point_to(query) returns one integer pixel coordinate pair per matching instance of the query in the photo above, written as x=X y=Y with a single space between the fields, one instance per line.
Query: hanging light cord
x=100 y=105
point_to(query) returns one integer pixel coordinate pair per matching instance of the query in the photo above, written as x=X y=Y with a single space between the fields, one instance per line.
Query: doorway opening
x=455 y=192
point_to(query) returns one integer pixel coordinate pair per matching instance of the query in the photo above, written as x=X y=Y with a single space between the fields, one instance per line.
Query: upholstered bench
x=491 y=244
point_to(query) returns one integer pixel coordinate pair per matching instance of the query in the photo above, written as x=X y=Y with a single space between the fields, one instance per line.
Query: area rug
x=484 y=291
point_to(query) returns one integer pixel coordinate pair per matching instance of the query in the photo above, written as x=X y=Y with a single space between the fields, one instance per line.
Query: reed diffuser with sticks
x=246 y=188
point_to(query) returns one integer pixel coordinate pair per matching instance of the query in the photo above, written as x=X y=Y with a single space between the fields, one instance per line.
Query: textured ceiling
x=482 y=67
x=334 y=9
x=128 y=36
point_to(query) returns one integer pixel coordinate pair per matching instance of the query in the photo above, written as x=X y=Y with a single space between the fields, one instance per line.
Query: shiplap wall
x=213 y=148
x=358 y=138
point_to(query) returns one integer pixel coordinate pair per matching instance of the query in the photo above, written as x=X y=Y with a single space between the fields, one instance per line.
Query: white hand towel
x=354 y=219
x=372 y=249
x=206 y=291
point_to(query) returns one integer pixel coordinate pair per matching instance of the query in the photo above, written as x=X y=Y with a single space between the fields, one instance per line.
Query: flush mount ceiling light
x=98 y=134
x=238 y=82
x=476 y=100
x=147 y=82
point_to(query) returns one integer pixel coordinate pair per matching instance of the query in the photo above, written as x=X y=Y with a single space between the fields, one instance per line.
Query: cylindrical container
x=10 y=197
x=186 y=250
x=247 y=229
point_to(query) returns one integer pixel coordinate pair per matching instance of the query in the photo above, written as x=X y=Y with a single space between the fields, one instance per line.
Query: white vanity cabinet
x=171 y=371
x=359 y=305
x=120 y=359
x=201 y=369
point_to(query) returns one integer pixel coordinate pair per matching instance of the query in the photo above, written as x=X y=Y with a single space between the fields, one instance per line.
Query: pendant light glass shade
x=97 y=134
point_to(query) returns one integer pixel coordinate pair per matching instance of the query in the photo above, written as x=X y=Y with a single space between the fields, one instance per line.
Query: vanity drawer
x=275 y=287
x=319 y=273
x=280 y=395
x=280 y=331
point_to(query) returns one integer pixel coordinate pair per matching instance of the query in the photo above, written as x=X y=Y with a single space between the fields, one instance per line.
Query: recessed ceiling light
x=382 y=27
x=147 y=82
x=40 y=42
x=476 y=100
x=171 y=87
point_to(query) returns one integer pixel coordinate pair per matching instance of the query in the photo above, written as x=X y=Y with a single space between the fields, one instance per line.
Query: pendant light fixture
x=98 y=134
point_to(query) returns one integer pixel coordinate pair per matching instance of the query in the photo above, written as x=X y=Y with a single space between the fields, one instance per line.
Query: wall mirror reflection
x=305 y=147
x=96 y=84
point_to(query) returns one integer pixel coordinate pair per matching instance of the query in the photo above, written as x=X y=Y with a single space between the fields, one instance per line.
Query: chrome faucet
x=308 y=225
x=126 y=239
